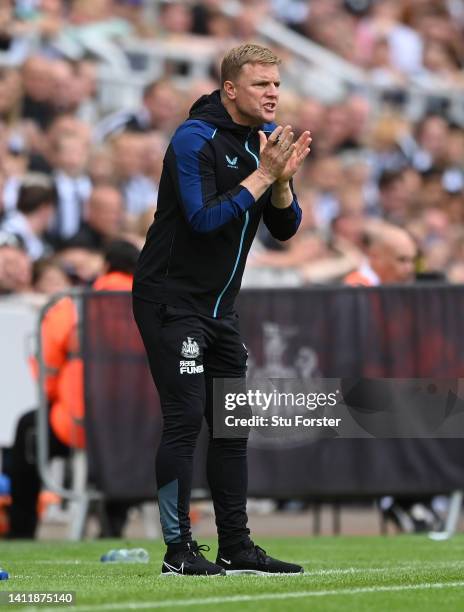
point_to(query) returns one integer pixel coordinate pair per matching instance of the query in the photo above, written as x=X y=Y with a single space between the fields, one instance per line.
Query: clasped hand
x=280 y=157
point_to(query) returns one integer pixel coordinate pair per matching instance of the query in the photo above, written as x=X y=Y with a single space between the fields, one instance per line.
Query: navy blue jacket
x=205 y=222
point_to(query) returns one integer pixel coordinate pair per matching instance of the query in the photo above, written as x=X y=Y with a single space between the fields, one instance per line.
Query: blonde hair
x=237 y=57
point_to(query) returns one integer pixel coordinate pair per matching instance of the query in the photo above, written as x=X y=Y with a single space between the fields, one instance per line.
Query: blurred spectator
x=15 y=266
x=133 y=12
x=326 y=176
x=394 y=199
x=175 y=17
x=48 y=277
x=432 y=140
x=341 y=132
x=35 y=210
x=93 y=28
x=86 y=74
x=13 y=45
x=308 y=257
x=10 y=95
x=390 y=144
x=43 y=18
x=455 y=273
x=435 y=23
x=329 y=26
x=14 y=162
x=348 y=228
x=2 y=194
x=142 y=225
x=70 y=158
x=101 y=165
x=310 y=114
x=381 y=66
x=342 y=256
x=67 y=91
x=249 y=15
x=199 y=88
x=158 y=112
x=103 y=220
x=453 y=176
x=42 y=158
x=390 y=257
x=440 y=60
x=129 y=160
x=155 y=148
x=37 y=79
x=81 y=263
x=384 y=22
x=213 y=23
x=291 y=11
x=305 y=246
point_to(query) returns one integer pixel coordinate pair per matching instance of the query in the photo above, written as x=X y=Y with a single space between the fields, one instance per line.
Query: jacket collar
x=209 y=108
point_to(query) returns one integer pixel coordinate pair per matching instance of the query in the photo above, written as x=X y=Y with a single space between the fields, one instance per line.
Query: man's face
x=106 y=210
x=254 y=94
x=72 y=155
x=15 y=270
x=162 y=104
x=394 y=262
x=37 y=79
x=129 y=155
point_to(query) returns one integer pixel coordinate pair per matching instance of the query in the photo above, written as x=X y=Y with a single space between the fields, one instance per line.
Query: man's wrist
x=281 y=185
x=282 y=196
x=264 y=176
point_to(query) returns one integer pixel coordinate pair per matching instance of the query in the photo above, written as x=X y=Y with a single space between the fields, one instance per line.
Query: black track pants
x=186 y=351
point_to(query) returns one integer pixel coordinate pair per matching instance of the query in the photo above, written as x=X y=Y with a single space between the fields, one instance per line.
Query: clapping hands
x=280 y=156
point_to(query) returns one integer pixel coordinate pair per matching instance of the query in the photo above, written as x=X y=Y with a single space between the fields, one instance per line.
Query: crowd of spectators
x=73 y=177
x=395 y=40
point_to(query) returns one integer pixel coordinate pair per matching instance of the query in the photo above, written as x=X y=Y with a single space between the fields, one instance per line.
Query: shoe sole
x=258 y=573
x=168 y=574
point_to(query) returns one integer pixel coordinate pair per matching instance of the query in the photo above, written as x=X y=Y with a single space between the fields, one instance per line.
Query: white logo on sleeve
x=190 y=349
x=232 y=162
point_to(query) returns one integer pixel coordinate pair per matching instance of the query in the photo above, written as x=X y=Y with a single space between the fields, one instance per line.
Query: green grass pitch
x=349 y=574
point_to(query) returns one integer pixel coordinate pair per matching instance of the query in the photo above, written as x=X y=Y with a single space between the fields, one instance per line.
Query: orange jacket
x=357 y=278
x=64 y=384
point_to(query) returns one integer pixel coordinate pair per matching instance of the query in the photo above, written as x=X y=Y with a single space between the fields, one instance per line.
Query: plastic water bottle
x=4 y=575
x=126 y=555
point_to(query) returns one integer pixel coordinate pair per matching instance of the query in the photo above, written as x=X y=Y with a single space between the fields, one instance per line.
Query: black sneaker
x=190 y=562
x=252 y=559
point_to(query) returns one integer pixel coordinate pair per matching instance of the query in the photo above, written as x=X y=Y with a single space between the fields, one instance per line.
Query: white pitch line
x=179 y=603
